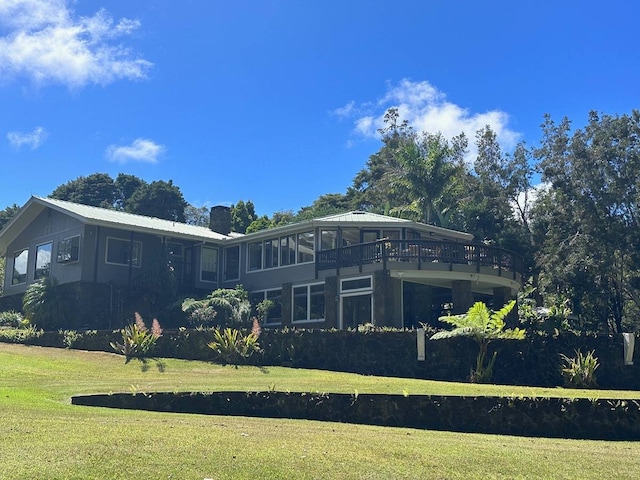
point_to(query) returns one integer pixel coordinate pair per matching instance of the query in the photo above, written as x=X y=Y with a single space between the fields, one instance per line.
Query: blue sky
x=278 y=101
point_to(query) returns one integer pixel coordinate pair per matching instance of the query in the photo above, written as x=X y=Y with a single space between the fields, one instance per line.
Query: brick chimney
x=220 y=219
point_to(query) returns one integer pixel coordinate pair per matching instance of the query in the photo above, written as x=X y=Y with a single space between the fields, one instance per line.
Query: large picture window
x=43 y=261
x=123 y=252
x=68 y=250
x=305 y=247
x=209 y=265
x=308 y=303
x=274 y=316
x=20 y=260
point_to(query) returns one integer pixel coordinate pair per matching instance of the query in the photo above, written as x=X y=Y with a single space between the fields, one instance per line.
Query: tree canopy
x=127 y=192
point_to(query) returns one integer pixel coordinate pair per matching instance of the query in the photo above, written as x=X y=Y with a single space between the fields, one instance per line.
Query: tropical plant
x=11 y=318
x=263 y=308
x=580 y=371
x=45 y=304
x=69 y=337
x=20 y=335
x=483 y=326
x=231 y=306
x=234 y=347
x=137 y=340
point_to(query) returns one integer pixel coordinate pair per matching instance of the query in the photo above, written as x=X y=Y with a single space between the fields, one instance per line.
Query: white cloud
x=427 y=110
x=45 y=42
x=141 y=150
x=30 y=139
x=345 y=111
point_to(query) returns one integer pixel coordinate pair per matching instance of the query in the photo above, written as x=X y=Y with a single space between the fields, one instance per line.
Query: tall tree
x=197 y=215
x=242 y=215
x=98 y=190
x=158 y=199
x=328 y=204
x=372 y=189
x=126 y=186
x=590 y=250
x=426 y=169
x=495 y=199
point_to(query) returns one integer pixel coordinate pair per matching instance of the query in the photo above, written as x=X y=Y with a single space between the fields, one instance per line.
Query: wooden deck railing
x=424 y=253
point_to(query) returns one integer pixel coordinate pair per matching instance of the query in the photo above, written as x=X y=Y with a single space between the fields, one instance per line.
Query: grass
x=43 y=436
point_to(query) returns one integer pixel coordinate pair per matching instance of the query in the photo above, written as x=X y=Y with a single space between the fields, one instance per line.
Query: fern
x=484 y=326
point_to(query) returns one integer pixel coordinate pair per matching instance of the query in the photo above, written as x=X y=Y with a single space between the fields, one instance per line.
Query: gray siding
x=49 y=226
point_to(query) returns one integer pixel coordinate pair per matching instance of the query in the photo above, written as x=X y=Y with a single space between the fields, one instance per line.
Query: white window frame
x=308 y=287
x=265 y=297
x=137 y=264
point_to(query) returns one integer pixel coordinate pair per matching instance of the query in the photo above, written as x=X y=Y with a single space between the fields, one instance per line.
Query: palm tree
x=484 y=326
x=426 y=168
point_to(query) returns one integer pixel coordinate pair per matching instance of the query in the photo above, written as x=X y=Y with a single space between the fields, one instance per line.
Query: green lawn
x=43 y=436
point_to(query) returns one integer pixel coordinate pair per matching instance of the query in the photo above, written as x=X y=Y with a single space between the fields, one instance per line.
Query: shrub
x=20 y=335
x=137 y=340
x=11 y=318
x=45 y=305
x=580 y=371
x=233 y=347
x=70 y=337
x=231 y=306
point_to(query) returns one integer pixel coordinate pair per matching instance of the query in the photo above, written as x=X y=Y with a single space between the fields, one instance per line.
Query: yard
x=43 y=436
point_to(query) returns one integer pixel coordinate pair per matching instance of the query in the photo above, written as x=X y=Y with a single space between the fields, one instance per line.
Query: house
x=337 y=271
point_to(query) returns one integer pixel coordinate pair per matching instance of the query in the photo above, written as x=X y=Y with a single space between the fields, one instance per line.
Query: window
x=231 y=263
x=68 y=250
x=356 y=302
x=328 y=239
x=282 y=251
x=361 y=283
x=288 y=250
x=305 y=247
x=43 y=261
x=209 y=265
x=308 y=303
x=255 y=256
x=123 y=252
x=271 y=253
x=369 y=236
x=20 y=260
x=350 y=236
x=275 y=314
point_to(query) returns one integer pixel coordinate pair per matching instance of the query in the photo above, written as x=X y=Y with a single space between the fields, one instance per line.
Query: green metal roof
x=107 y=218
